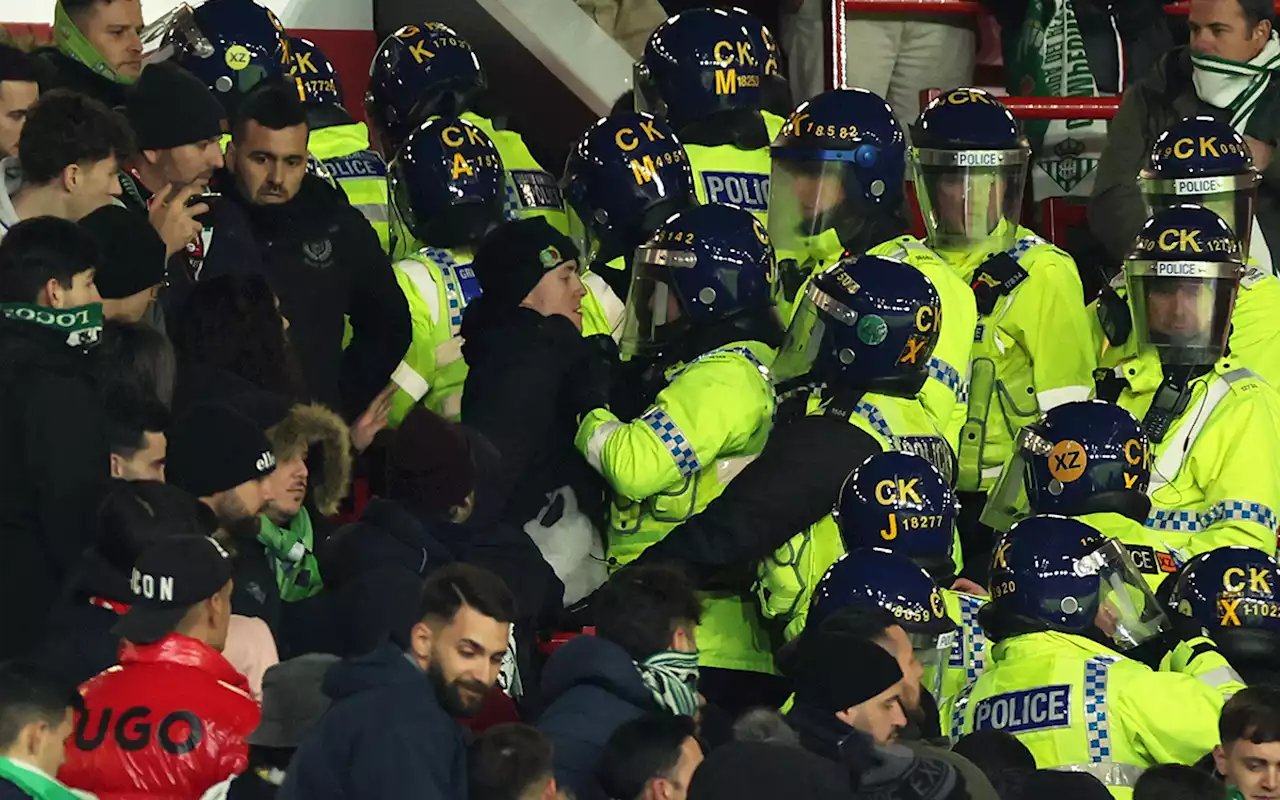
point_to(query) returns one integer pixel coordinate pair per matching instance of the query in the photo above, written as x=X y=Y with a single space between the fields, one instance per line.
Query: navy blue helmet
x=776 y=89
x=1204 y=161
x=902 y=503
x=1230 y=587
x=317 y=79
x=1188 y=255
x=970 y=161
x=447 y=183
x=1060 y=574
x=420 y=71
x=701 y=266
x=232 y=46
x=698 y=63
x=881 y=579
x=1070 y=462
x=867 y=322
x=627 y=173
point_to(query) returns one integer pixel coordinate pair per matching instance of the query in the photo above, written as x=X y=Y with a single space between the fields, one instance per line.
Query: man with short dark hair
x=317 y=252
x=392 y=729
x=188 y=710
x=1249 y=754
x=19 y=88
x=651 y=758
x=71 y=148
x=1224 y=72
x=53 y=451
x=642 y=659
x=511 y=761
x=99 y=50
x=135 y=436
x=37 y=715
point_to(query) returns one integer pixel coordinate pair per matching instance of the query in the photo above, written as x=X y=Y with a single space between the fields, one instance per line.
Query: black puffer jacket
x=54 y=467
x=520 y=365
x=325 y=264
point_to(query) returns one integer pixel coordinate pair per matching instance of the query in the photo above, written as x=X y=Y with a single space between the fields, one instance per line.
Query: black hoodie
x=325 y=264
x=385 y=736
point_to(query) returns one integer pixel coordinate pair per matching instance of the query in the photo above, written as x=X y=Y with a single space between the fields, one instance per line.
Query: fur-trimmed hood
x=307 y=425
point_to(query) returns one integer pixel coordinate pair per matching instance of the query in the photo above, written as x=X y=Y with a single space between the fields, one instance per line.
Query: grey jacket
x=1164 y=96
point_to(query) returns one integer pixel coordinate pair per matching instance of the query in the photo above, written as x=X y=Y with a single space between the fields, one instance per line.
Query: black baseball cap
x=168 y=579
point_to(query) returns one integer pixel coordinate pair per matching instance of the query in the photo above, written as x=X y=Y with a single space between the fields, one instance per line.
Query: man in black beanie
x=843 y=682
x=529 y=369
x=177 y=123
x=132 y=265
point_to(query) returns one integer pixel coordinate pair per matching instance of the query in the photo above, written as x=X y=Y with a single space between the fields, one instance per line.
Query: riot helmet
x=866 y=322
x=230 y=45
x=702 y=266
x=317 y=79
x=1078 y=458
x=1182 y=275
x=970 y=163
x=447 y=183
x=627 y=173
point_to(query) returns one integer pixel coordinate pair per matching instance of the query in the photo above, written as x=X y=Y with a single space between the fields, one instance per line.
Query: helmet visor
x=932 y=649
x=653 y=305
x=1183 y=308
x=808 y=190
x=808 y=327
x=582 y=236
x=1007 y=503
x=1232 y=197
x=970 y=199
x=1128 y=612
x=158 y=37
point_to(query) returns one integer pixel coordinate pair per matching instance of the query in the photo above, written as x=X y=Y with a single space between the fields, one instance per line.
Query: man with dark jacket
x=642 y=659
x=53 y=448
x=392 y=731
x=319 y=254
x=1233 y=48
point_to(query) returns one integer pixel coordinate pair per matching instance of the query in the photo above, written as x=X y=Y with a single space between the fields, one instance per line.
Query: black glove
x=586 y=387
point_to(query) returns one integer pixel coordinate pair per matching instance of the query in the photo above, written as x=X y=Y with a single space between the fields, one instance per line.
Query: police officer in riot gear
x=850 y=368
x=339 y=146
x=447 y=186
x=1090 y=460
x=1203 y=161
x=837 y=187
x=230 y=45
x=1066 y=604
x=1032 y=348
x=1210 y=420
x=703 y=72
x=627 y=173
x=901 y=503
x=879 y=578
x=1231 y=592
x=428 y=70
x=700 y=313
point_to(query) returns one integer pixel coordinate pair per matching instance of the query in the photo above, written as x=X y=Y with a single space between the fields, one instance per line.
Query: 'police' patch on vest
x=933 y=449
x=362 y=164
x=1038 y=709
x=536 y=189
x=749 y=190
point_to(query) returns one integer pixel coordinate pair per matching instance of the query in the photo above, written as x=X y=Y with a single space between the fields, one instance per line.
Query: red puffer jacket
x=168 y=722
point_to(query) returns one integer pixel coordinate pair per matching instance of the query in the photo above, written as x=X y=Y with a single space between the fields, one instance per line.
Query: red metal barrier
x=913 y=6
x=1062 y=107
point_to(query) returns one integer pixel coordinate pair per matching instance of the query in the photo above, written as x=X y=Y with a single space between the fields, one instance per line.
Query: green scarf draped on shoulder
x=73 y=44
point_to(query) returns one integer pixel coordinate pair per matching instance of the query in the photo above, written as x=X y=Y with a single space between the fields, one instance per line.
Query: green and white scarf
x=1236 y=86
x=82 y=325
x=74 y=44
x=34 y=782
x=672 y=679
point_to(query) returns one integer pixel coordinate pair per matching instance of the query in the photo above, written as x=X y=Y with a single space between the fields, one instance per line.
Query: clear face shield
x=652 y=302
x=1007 y=502
x=1183 y=308
x=1128 y=613
x=804 y=336
x=1232 y=197
x=971 y=200
x=805 y=199
x=158 y=37
x=933 y=649
x=580 y=233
